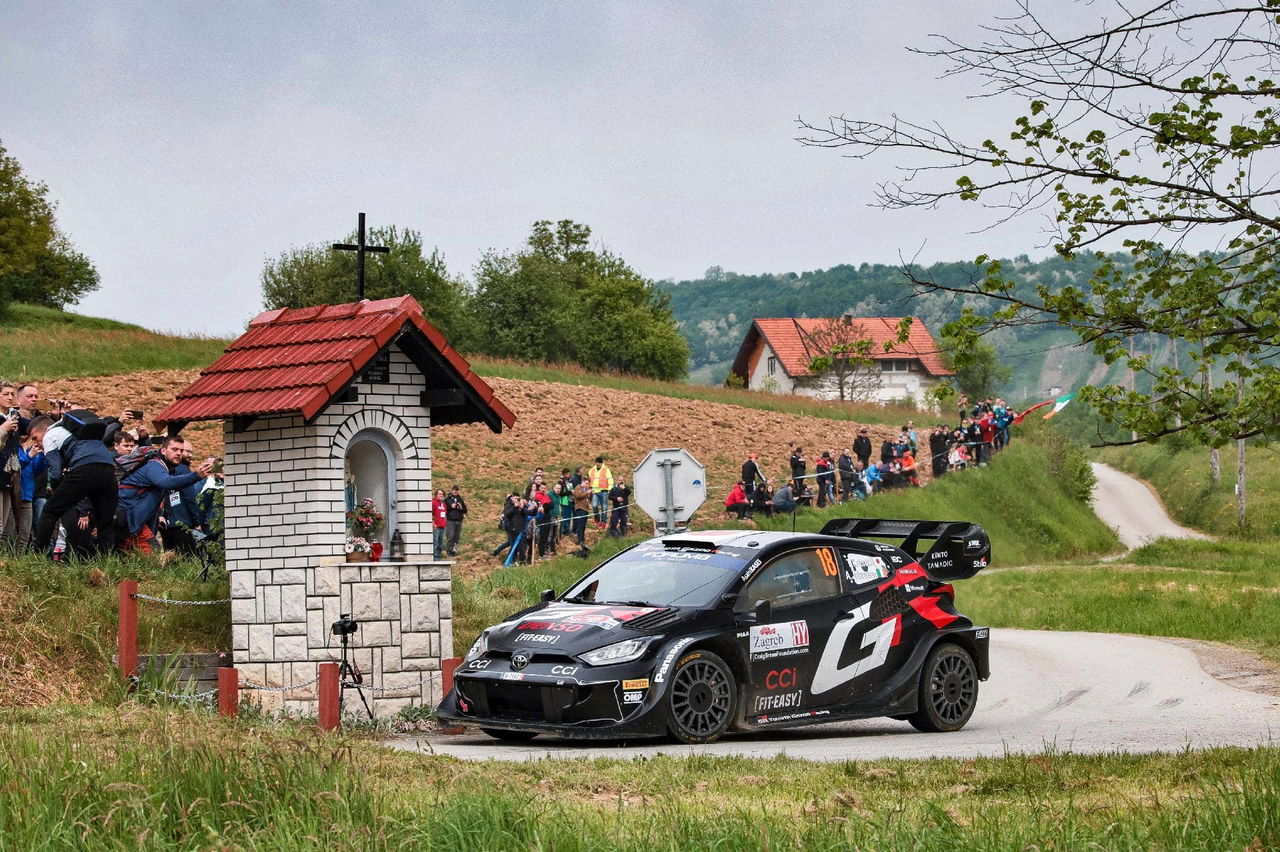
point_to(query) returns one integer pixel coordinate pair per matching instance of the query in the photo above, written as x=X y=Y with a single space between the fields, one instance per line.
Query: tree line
x=557 y=299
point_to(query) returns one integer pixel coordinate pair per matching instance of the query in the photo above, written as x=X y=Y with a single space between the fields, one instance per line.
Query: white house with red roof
x=322 y=407
x=777 y=352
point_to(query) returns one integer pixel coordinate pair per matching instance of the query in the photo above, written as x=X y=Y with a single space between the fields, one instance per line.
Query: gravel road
x=1080 y=692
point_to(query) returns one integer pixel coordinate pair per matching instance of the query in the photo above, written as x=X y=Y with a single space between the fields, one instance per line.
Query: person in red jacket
x=438 y=521
x=737 y=502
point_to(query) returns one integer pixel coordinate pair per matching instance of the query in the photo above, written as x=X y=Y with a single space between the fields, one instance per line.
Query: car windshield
x=658 y=576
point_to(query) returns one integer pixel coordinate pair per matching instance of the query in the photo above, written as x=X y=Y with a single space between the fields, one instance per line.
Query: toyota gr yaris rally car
x=698 y=633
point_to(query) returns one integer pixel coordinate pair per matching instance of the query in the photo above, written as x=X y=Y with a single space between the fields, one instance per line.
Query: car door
x=863 y=644
x=805 y=591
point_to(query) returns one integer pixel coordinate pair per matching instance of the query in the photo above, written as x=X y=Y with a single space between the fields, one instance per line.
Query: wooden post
x=448 y=667
x=228 y=691
x=127 y=634
x=330 y=692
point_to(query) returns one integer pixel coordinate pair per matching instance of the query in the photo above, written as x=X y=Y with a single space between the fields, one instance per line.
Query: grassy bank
x=43 y=343
x=135 y=777
x=1224 y=591
x=1182 y=477
x=59 y=629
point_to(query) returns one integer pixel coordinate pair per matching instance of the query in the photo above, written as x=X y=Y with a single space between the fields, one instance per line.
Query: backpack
x=126 y=465
x=84 y=424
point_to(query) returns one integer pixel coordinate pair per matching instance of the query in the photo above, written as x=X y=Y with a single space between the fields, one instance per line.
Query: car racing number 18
x=821 y=638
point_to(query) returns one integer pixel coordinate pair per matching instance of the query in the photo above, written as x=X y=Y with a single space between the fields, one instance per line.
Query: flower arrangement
x=365 y=520
x=357 y=544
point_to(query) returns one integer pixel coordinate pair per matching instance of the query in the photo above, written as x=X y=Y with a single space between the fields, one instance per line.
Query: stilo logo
x=519 y=661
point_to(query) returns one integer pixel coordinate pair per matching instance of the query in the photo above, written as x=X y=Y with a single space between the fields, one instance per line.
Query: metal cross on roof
x=360 y=248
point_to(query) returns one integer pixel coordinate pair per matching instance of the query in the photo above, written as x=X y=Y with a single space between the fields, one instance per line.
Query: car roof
x=733 y=538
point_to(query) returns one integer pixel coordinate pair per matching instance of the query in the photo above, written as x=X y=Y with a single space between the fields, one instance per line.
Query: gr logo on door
x=781 y=679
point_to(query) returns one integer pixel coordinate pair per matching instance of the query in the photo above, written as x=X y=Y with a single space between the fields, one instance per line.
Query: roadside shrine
x=322 y=407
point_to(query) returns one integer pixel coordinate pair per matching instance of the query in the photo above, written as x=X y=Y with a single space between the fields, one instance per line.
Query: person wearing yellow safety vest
x=601 y=479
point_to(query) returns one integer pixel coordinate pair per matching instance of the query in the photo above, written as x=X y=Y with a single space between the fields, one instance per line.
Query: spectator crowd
x=77 y=484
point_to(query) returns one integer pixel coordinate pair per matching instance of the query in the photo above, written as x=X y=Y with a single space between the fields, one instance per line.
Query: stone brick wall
x=285 y=531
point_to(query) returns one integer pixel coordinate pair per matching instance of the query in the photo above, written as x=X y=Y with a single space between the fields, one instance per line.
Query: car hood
x=572 y=628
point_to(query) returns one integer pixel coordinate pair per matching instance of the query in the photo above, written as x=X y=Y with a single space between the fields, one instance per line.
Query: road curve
x=1127 y=506
x=1076 y=692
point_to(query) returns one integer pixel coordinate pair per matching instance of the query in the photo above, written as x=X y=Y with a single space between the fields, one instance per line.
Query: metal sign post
x=670 y=485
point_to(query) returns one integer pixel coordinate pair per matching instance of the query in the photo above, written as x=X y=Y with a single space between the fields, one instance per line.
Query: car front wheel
x=701 y=698
x=948 y=690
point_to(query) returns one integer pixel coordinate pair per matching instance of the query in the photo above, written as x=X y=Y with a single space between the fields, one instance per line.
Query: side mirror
x=548 y=595
x=764 y=612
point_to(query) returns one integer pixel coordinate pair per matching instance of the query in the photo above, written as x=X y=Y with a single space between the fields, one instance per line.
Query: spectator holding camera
x=142 y=492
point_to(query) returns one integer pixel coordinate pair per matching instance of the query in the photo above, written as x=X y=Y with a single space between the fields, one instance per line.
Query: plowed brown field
x=558 y=425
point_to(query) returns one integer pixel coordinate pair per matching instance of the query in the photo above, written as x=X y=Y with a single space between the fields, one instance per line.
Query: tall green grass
x=145 y=780
x=1181 y=475
x=43 y=343
x=1225 y=591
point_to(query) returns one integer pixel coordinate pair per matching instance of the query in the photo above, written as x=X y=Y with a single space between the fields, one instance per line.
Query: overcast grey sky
x=186 y=143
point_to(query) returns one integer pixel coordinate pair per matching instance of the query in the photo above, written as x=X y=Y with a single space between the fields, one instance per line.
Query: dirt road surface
x=1076 y=692
x=1129 y=507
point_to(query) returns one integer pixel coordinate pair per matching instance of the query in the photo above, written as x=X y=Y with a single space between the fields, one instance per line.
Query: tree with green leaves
x=560 y=300
x=1157 y=128
x=980 y=373
x=38 y=263
x=318 y=275
x=841 y=355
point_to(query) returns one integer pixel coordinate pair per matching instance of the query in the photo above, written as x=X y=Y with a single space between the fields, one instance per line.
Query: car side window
x=805 y=575
x=861 y=568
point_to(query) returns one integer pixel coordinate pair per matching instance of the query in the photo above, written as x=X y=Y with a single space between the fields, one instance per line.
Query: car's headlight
x=619 y=652
x=479 y=648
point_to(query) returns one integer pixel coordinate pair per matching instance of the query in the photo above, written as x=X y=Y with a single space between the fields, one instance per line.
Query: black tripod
x=349 y=676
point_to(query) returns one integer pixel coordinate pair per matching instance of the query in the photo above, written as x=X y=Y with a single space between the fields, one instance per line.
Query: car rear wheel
x=510 y=736
x=701 y=698
x=948 y=690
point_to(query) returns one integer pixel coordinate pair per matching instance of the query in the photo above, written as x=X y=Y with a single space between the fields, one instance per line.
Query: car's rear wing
x=956 y=550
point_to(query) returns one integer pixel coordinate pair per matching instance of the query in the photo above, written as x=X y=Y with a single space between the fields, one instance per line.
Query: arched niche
x=370 y=468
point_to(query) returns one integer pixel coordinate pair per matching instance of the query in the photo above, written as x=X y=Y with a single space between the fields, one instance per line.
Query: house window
x=773 y=365
x=370 y=471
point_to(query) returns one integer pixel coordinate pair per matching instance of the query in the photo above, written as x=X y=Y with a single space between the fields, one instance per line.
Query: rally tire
x=510 y=736
x=948 y=690
x=701 y=697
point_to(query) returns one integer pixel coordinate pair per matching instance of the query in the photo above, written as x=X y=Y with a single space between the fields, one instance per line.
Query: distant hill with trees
x=715 y=311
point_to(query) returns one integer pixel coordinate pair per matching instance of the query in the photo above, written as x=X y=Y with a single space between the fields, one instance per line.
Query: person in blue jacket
x=143 y=491
x=183 y=513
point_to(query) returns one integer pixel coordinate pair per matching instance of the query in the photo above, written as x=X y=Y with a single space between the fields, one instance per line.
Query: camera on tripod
x=345 y=625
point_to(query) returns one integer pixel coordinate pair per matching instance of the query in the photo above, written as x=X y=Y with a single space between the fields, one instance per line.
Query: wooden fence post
x=329 y=693
x=127 y=635
x=228 y=691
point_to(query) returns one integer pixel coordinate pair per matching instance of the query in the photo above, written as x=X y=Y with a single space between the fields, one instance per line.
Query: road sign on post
x=670 y=485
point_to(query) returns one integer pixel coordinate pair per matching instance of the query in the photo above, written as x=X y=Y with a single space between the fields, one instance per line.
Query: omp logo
x=829 y=673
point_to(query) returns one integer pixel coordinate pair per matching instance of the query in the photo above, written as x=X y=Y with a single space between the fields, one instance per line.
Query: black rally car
x=697 y=633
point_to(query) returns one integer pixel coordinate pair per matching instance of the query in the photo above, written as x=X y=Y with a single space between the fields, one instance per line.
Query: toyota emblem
x=519 y=661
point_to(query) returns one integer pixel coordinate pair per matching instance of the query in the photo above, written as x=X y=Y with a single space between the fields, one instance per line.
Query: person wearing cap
x=862 y=447
x=737 y=502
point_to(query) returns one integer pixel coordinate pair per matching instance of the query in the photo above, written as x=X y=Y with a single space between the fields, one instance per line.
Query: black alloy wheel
x=510 y=736
x=701 y=698
x=948 y=690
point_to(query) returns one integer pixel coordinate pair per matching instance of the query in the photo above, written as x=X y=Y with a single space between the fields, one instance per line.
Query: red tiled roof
x=293 y=361
x=787 y=338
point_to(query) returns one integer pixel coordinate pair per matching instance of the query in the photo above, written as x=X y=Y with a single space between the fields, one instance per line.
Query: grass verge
x=44 y=343
x=133 y=777
x=1182 y=477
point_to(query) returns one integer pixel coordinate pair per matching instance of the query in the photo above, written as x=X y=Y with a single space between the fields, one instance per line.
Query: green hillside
x=45 y=343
